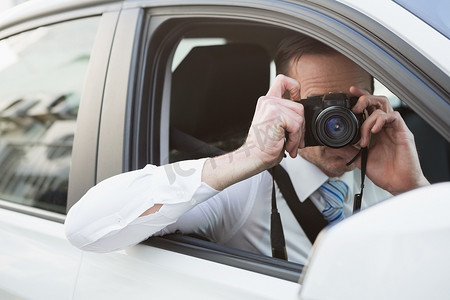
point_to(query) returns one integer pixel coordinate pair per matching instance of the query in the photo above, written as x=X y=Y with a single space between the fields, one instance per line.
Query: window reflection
x=42 y=73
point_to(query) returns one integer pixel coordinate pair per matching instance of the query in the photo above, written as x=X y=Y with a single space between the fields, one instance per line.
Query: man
x=228 y=198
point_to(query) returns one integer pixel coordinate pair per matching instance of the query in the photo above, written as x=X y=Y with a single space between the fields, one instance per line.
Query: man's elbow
x=77 y=234
x=74 y=236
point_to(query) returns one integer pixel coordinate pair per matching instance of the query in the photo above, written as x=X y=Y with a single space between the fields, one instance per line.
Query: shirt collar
x=305 y=176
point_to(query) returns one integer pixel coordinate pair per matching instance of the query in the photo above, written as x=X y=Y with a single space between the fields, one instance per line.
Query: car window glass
x=431 y=13
x=42 y=73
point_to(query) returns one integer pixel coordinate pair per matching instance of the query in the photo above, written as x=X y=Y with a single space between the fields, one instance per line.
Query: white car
x=93 y=88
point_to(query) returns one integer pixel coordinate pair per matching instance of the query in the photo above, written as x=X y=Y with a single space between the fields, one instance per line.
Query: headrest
x=215 y=90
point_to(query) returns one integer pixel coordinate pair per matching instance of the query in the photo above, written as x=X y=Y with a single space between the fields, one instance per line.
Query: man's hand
x=393 y=162
x=277 y=125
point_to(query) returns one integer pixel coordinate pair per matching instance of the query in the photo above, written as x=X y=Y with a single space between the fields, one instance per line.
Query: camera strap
x=358 y=197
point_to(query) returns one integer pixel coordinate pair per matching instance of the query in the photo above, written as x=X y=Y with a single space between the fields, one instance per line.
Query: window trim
x=83 y=172
x=33 y=211
x=199 y=248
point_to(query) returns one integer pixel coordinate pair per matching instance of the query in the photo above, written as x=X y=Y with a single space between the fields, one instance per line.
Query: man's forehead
x=334 y=62
x=320 y=74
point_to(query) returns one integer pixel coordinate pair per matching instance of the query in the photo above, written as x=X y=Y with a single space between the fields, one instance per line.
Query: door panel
x=37 y=261
x=40 y=92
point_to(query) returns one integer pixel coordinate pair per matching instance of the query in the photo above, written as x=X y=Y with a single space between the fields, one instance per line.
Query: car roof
x=38 y=8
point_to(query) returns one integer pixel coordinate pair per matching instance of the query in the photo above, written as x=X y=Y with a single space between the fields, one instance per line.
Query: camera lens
x=336 y=127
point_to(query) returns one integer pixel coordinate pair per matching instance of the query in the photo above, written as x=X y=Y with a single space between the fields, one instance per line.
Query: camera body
x=330 y=122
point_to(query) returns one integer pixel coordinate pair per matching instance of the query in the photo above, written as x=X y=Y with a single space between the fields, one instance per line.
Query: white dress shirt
x=107 y=217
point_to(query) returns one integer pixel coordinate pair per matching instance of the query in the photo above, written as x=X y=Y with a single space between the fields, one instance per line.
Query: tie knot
x=334 y=189
x=333 y=192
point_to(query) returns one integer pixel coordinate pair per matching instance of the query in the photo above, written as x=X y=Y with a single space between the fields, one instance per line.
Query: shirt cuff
x=179 y=187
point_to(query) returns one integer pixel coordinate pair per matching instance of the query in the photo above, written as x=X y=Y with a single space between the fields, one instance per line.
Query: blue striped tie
x=333 y=192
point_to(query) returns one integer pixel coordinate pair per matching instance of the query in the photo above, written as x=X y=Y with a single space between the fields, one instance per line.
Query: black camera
x=330 y=122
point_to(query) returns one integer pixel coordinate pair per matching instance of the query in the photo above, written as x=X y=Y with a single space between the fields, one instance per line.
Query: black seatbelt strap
x=308 y=216
x=277 y=240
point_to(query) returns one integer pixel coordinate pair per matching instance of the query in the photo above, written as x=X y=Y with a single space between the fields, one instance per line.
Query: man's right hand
x=277 y=126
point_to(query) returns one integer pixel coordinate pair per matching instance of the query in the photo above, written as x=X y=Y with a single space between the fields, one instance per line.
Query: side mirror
x=398 y=249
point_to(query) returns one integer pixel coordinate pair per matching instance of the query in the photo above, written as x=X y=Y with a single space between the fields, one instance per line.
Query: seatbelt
x=308 y=216
x=277 y=241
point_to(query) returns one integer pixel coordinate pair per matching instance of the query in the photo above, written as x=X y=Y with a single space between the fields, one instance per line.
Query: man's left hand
x=393 y=163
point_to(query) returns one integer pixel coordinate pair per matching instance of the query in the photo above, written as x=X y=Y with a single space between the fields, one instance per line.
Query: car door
x=144 y=269
x=48 y=54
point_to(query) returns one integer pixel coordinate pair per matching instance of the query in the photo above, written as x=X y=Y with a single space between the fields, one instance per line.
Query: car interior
x=215 y=89
x=433 y=149
x=216 y=105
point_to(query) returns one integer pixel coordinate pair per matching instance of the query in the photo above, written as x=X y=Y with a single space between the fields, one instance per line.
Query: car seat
x=433 y=149
x=214 y=95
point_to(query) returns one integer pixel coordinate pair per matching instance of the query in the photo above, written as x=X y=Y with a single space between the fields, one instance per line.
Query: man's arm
x=107 y=217
x=111 y=215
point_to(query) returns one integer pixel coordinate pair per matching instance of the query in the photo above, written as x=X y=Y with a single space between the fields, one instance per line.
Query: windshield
x=434 y=13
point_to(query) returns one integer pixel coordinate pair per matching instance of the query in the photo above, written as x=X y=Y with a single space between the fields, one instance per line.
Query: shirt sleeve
x=107 y=217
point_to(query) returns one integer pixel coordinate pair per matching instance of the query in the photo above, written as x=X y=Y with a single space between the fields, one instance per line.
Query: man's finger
x=371 y=102
x=282 y=84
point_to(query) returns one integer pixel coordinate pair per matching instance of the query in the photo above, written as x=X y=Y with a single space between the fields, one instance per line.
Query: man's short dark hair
x=292 y=48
